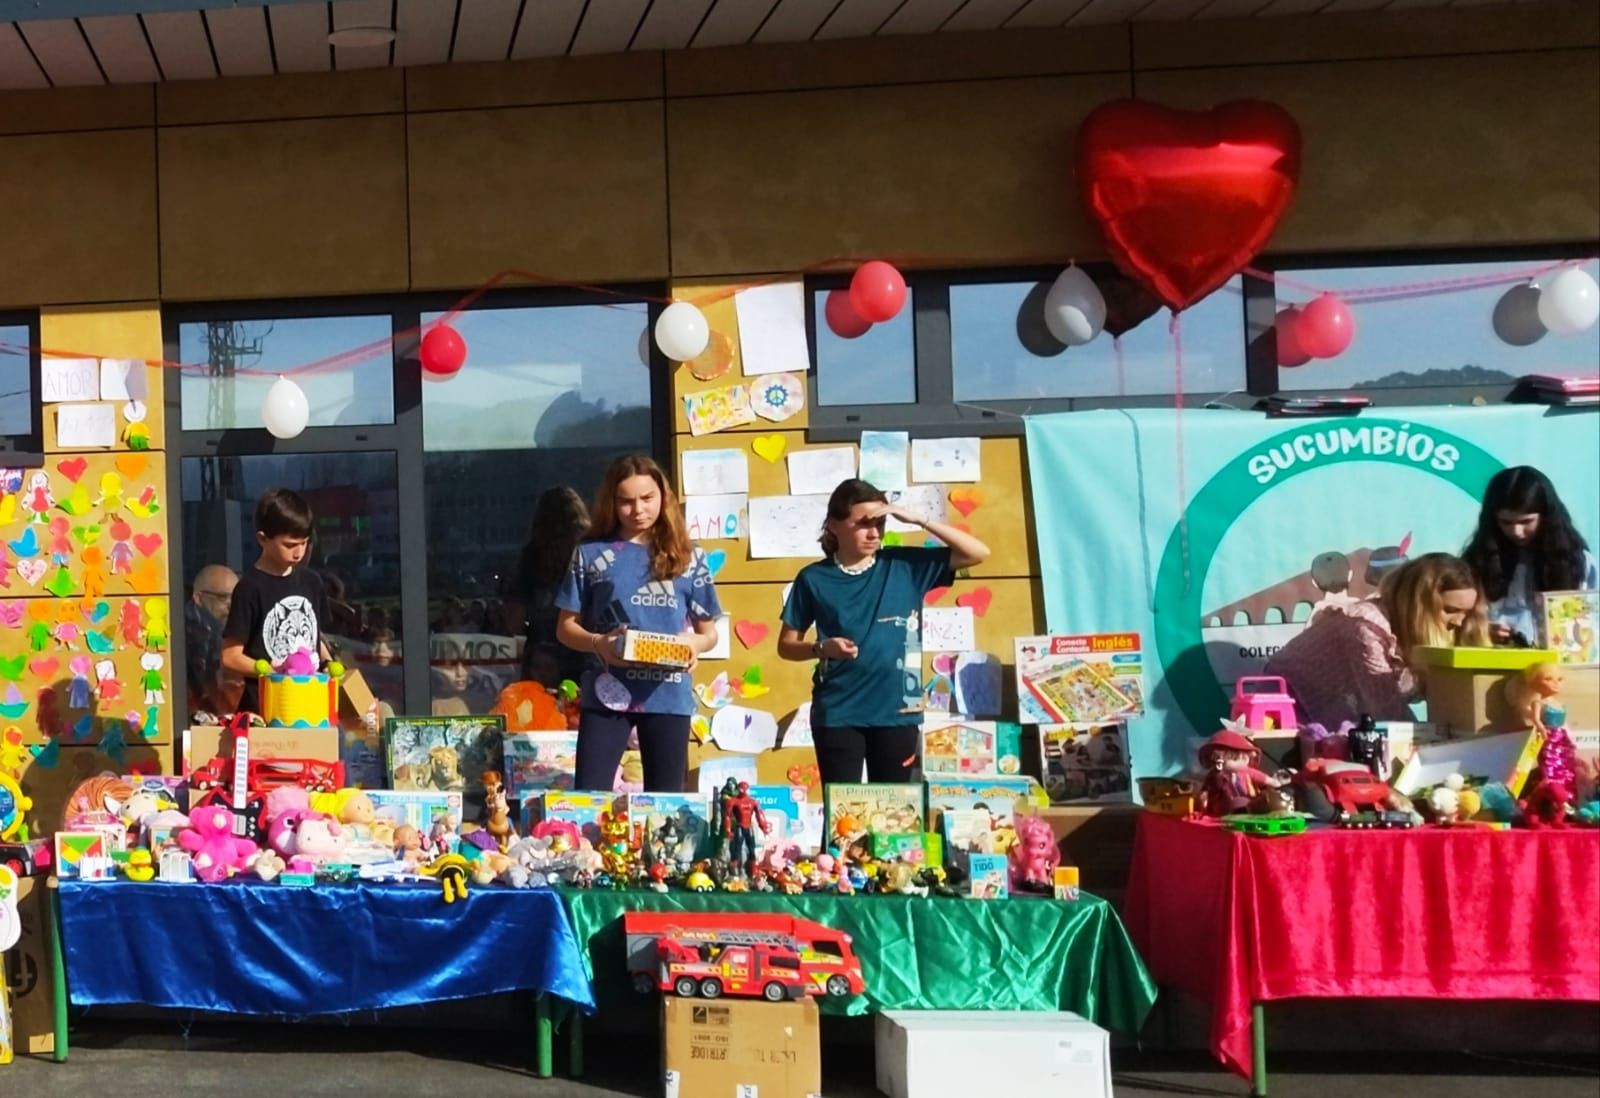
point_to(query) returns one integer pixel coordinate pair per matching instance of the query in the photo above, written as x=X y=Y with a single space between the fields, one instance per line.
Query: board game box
x=1085 y=763
x=1079 y=679
x=539 y=761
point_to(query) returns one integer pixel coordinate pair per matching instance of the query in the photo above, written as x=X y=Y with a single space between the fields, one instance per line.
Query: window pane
x=547 y=398
x=356 y=550
x=991 y=362
x=879 y=367
x=350 y=395
x=16 y=390
x=1455 y=338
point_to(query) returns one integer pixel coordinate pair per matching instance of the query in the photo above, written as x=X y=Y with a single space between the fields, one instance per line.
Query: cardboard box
x=1472 y=702
x=204 y=742
x=28 y=975
x=657 y=649
x=581 y=808
x=730 y=1048
x=1508 y=758
x=955 y=1053
x=417 y=807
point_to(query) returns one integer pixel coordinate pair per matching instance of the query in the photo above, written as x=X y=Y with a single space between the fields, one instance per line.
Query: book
x=1569 y=624
x=856 y=810
x=1086 y=763
x=537 y=761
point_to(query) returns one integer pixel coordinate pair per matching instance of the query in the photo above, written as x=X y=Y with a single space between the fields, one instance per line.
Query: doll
x=1528 y=693
x=1034 y=859
x=408 y=846
x=1232 y=778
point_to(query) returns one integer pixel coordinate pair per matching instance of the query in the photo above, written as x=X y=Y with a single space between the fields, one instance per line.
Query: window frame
x=25 y=449
x=403 y=437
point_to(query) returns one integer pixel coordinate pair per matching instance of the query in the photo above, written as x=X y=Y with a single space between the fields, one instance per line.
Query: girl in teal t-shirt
x=638 y=569
x=866 y=602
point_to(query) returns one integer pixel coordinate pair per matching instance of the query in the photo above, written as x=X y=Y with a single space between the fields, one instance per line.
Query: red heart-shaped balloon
x=1184 y=199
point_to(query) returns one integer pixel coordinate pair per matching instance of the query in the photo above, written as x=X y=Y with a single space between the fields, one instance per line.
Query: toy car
x=776 y=957
x=1386 y=820
x=1343 y=788
x=1267 y=826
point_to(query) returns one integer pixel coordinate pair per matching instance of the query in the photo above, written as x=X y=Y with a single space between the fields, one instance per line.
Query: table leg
x=1258 y=1049
x=543 y=1064
x=58 y=968
x=575 y=1044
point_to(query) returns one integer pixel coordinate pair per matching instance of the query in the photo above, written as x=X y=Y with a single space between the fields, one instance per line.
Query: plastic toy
x=1445 y=800
x=14 y=806
x=1264 y=704
x=1266 y=826
x=777 y=957
x=1387 y=820
x=1232 y=780
x=320 y=838
x=1346 y=788
x=499 y=811
x=27 y=857
x=217 y=853
x=1368 y=746
x=700 y=881
x=1528 y=692
x=1551 y=798
x=140 y=867
x=615 y=853
x=451 y=871
x=741 y=815
x=268 y=865
x=1035 y=857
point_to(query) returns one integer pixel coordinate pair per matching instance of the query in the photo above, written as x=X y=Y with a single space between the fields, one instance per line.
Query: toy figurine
x=499 y=811
x=658 y=876
x=740 y=816
x=1553 y=791
x=442 y=837
x=665 y=842
x=616 y=854
x=1232 y=780
x=698 y=880
x=1445 y=800
x=1528 y=693
x=1368 y=745
x=1035 y=857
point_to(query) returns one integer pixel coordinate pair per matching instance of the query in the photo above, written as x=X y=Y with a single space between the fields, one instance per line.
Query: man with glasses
x=210 y=688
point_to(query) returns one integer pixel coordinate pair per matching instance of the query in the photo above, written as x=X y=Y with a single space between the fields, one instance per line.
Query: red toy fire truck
x=777 y=957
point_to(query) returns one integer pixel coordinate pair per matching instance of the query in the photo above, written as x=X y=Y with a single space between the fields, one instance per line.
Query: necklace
x=856 y=570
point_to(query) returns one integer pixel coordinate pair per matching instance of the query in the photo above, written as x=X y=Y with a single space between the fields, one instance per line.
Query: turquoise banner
x=1216 y=586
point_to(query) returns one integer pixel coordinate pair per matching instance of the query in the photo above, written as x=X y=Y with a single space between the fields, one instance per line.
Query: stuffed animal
x=1445 y=800
x=320 y=838
x=348 y=806
x=99 y=799
x=267 y=865
x=209 y=839
x=1034 y=859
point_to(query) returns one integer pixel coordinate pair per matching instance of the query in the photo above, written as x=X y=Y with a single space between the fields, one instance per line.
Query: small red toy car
x=1349 y=788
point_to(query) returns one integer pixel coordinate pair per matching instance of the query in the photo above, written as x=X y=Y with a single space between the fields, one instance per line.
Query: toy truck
x=776 y=957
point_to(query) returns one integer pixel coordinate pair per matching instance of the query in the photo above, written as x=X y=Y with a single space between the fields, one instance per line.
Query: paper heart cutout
x=131 y=465
x=716 y=559
x=11 y=667
x=32 y=570
x=27 y=545
x=87 y=535
x=1184 y=199
x=944 y=663
x=934 y=595
x=966 y=500
x=60 y=584
x=978 y=599
x=147 y=543
x=44 y=667
x=73 y=468
x=750 y=633
x=769 y=447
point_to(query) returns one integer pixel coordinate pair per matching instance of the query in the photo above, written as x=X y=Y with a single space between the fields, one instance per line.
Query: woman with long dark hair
x=866 y=602
x=559 y=522
x=1525 y=545
x=636 y=568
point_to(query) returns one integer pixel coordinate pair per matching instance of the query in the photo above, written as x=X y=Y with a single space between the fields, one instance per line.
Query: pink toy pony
x=299 y=662
x=1035 y=857
x=209 y=839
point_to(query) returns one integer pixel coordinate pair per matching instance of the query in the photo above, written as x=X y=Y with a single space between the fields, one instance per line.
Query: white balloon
x=682 y=332
x=285 y=410
x=1569 y=303
x=1074 y=309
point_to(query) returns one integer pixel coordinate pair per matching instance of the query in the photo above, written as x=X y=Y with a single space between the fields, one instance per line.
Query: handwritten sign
x=62 y=379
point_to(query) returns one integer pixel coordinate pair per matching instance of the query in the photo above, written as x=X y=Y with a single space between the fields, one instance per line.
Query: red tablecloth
x=1430 y=913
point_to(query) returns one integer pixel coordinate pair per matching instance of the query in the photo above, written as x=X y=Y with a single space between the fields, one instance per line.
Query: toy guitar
x=239 y=799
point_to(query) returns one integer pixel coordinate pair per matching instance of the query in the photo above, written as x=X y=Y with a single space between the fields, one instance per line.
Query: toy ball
x=335 y=669
x=263 y=667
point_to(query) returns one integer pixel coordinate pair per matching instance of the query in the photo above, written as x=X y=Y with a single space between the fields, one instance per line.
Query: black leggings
x=663 y=743
x=890 y=752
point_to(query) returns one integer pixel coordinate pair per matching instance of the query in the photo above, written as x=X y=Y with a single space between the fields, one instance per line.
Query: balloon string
x=1405 y=289
x=1122 y=377
x=1175 y=327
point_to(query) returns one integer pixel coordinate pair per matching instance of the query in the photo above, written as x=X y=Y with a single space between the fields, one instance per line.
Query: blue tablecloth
x=250 y=948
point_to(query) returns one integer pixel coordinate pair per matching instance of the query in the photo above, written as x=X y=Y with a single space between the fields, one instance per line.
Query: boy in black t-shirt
x=279 y=606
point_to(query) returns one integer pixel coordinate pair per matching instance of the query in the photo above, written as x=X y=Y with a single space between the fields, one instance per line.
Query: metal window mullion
x=259 y=442
x=412 y=518
x=930 y=349
x=1260 y=339
x=177 y=641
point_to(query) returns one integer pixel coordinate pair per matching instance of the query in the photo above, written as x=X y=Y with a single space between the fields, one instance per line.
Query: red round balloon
x=1325 y=326
x=843 y=320
x=443 y=351
x=877 y=291
x=1185 y=199
x=1287 y=329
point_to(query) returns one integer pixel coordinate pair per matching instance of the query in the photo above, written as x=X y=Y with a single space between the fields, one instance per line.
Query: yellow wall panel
x=82 y=214
x=568 y=192
x=788 y=683
x=49 y=786
x=57 y=110
x=111 y=331
x=940 y=173
x=268 y=209
x=588 y=79
x=858 y=62
x=287 y=95
x=1449 y=150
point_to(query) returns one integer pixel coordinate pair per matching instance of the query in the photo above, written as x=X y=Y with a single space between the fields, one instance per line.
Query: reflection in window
x=547 y=398
x=1461 y=338
x=879 y=367
x=991 y=361
x=16 y=386
x=242 y=357
x=356 y=549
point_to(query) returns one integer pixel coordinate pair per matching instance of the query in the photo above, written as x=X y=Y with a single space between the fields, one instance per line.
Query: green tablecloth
x=920 y=953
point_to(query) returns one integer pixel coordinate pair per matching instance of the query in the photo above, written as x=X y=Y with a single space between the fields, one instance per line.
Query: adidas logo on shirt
x=655 y=593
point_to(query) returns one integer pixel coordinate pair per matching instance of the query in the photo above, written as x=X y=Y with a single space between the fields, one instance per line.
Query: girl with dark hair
x=1525 y=544
x=866 y=602
x=559 y=521
x=636 y=569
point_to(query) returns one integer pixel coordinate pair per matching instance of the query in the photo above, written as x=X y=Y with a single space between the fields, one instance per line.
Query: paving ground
x=168 y=1059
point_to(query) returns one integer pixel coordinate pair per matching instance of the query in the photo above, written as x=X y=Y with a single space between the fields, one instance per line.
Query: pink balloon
x=877 y=291
x=1325 y=326
x=1290 y=351
x=443 y=351
x=842 y=317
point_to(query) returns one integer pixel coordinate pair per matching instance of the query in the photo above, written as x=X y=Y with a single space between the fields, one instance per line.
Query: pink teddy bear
x=209 y=839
